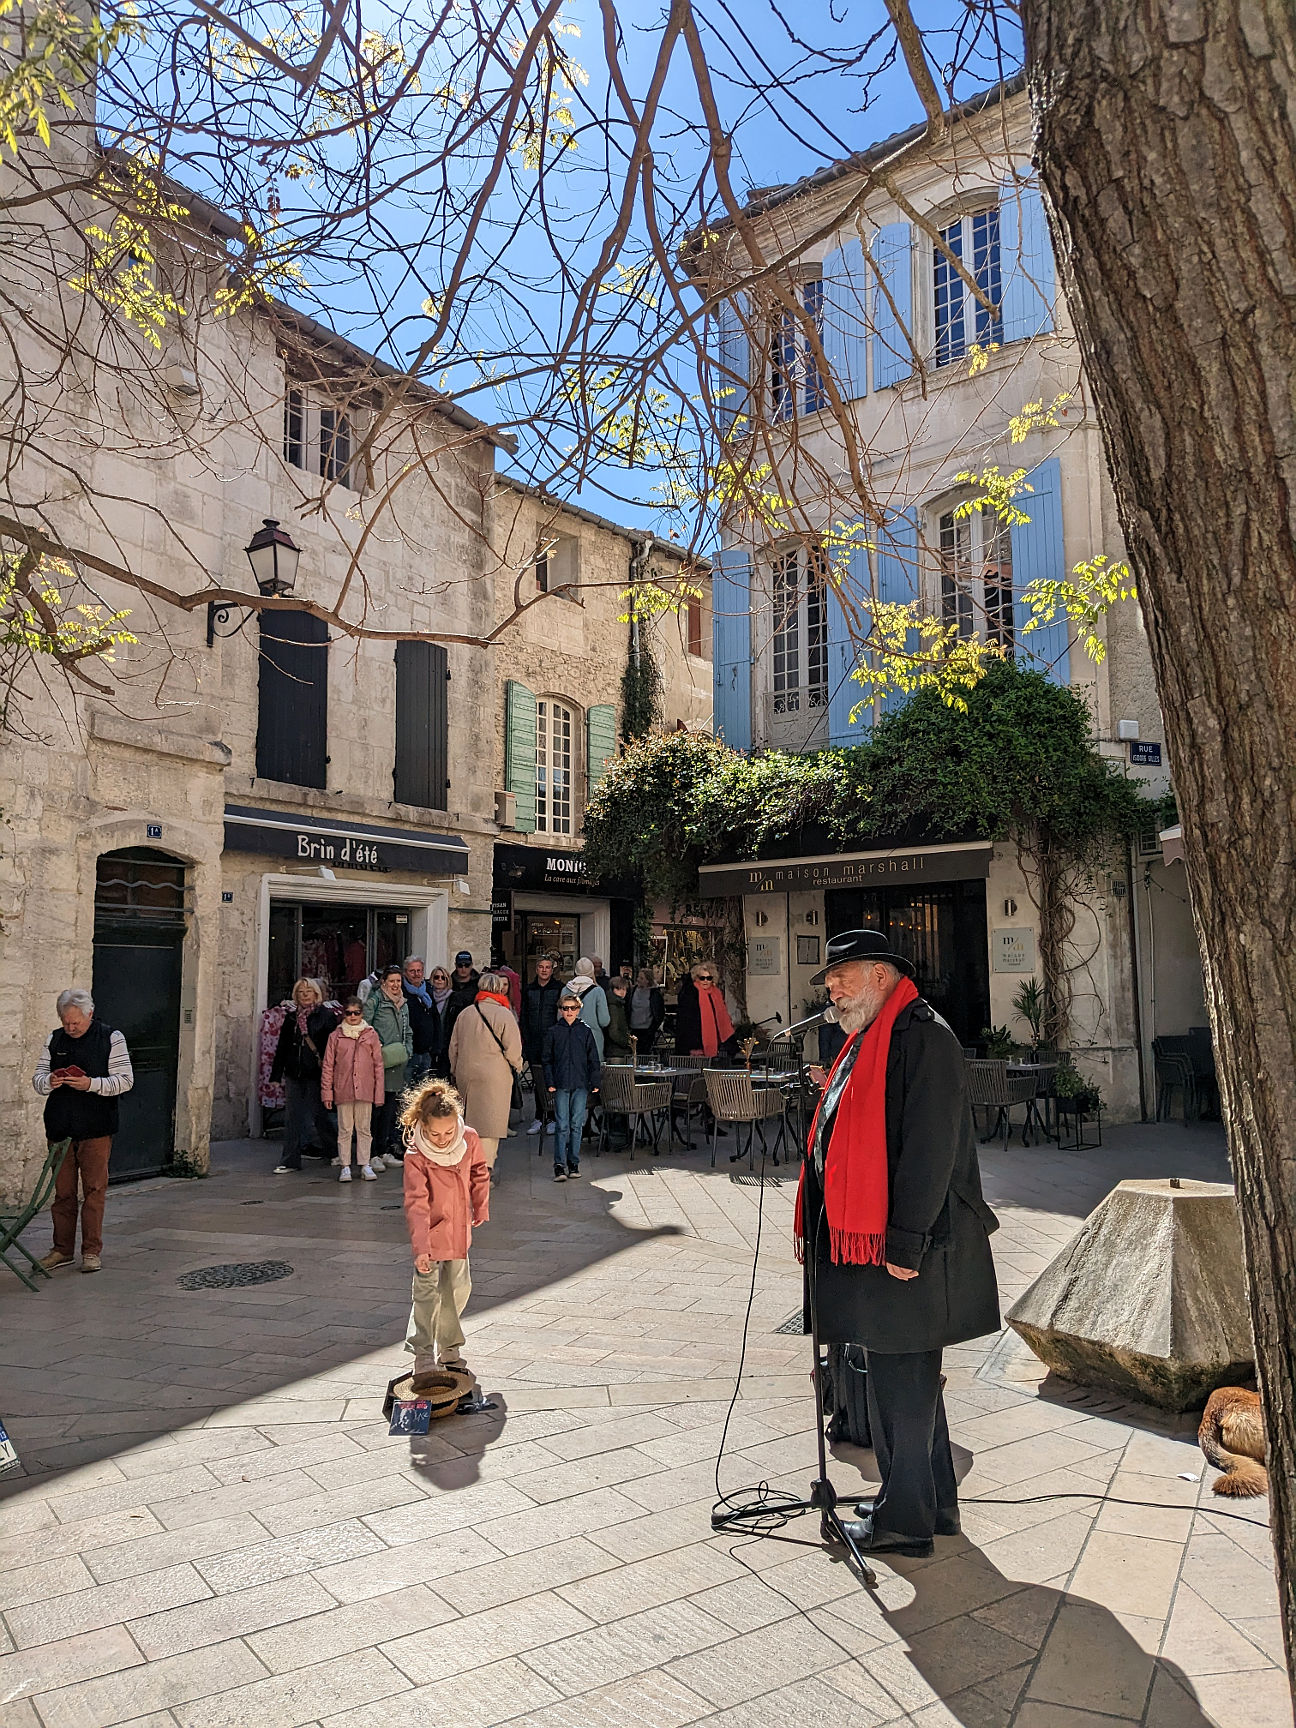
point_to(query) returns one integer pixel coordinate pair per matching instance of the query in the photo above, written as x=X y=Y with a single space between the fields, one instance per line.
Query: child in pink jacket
x=353 y=1080
x=447 y=1192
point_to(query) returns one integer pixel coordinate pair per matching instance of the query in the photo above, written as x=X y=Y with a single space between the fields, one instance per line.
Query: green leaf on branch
x=1098 y=585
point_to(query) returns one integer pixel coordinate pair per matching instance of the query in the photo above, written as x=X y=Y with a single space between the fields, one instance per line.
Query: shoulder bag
x=515 y=1097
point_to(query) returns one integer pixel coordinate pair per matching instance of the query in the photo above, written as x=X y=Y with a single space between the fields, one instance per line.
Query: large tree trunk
x=1165 y=144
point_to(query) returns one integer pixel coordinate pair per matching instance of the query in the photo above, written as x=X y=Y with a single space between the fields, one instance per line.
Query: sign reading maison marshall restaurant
x=956 y=863
x=341 y=845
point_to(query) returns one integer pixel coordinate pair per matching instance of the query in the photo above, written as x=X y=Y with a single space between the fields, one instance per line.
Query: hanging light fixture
x=274 y=558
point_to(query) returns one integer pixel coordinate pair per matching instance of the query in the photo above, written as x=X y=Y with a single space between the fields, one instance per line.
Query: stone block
x=1148 y=1298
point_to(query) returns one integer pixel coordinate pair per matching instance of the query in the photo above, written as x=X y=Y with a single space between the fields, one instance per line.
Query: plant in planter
x=1031 y=1002
x=1000 y=1045
x=1075 y=1094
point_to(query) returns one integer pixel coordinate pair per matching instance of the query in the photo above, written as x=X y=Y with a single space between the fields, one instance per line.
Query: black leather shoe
x=947 y=1523
x=870 y=1541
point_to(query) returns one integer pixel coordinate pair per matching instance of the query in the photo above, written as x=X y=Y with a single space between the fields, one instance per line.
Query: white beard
x=852 y=1020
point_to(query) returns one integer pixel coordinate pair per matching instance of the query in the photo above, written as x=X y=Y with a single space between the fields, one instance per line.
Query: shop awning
x=342 y=845
x=957 y=862
x=1172 y=844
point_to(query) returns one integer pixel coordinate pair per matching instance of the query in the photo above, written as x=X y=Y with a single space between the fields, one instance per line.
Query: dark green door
x=138 y=956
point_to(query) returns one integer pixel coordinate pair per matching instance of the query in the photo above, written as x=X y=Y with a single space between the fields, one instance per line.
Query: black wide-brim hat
x=865 y=945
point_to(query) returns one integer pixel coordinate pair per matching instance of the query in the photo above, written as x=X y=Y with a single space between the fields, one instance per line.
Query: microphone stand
x=823 y=1496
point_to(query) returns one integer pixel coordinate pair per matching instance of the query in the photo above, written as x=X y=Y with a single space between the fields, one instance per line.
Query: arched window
x=959 y=316
x=556 y=736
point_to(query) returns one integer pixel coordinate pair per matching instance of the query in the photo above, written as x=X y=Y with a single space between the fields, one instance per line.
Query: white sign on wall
x=1012 y=951
x=763 y=956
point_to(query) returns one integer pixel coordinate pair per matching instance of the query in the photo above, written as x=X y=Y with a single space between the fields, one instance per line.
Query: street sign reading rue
x=1144 y=754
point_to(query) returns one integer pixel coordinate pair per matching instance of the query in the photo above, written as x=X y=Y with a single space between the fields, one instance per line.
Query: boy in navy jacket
x=572 y=1072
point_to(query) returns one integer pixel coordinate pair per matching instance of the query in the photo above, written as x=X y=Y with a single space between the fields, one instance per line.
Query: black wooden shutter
x=292 y=716
x=422 y=771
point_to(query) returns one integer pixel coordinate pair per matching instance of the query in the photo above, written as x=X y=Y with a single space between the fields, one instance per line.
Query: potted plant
x=1031 y=1002
x=1000 y=1045
x=1076 y=1095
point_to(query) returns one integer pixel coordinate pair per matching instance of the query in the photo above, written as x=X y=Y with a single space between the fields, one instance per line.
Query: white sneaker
x=549 y=1127
x=376 y=1165
x=344 y=1174
x=367 y=1173
x=536 y=1126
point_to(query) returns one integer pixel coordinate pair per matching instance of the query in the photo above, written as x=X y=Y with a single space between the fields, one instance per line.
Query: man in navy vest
x=83 y=1071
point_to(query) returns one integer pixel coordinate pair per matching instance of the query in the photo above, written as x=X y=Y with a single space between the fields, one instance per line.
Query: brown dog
x=1233 y=1438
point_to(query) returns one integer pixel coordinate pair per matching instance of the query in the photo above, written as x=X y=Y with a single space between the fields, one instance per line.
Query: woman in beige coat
x=485 y=1055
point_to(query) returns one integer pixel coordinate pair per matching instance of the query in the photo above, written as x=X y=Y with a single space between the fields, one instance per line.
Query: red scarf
x=856 y=1193
x=495 y=996
x=717 y=1027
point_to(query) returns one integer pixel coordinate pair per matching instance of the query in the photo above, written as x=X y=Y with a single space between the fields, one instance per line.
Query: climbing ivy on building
x=1018 y=767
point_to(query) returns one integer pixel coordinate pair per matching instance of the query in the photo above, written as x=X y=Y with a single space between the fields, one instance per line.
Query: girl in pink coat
x=447 y=1192
x=353 y=1080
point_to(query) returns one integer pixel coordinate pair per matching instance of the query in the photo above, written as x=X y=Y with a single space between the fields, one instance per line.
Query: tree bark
x=1166 y=149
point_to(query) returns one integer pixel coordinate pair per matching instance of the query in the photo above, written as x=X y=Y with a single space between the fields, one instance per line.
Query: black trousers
x=906 y=1411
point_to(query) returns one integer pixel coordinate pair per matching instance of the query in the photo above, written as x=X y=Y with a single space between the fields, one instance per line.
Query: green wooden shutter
x=600 y=740
x=520 y=752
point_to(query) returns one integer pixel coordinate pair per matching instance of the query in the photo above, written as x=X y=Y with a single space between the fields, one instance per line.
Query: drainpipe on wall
x=1138 y=979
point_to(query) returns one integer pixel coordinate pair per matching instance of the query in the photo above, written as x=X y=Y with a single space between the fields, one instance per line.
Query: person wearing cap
x=890 y=1212
x=463 y=988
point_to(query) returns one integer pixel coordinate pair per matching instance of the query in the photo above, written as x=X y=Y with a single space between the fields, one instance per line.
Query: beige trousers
x=438 y=1298
x=490 y=1150
x=357 y=1117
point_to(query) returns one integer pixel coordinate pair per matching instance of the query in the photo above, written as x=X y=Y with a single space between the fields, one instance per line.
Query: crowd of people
x=345 y=1074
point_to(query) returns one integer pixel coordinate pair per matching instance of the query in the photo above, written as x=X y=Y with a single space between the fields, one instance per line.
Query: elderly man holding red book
x=890 y=1208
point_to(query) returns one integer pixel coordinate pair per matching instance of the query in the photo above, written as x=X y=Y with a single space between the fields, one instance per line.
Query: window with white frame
x=977 y=576
x=959 y=316
x=319 y=437
x=795 y=382
x=555 y=734
x=799 y=644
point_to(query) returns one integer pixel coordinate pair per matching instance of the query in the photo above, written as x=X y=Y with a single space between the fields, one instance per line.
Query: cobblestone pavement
x=214 y=1529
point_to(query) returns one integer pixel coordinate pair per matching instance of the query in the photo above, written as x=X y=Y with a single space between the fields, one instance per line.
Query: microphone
x=829 y=1014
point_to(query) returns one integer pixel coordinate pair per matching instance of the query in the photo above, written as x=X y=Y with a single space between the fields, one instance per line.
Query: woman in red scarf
x=702 y=1023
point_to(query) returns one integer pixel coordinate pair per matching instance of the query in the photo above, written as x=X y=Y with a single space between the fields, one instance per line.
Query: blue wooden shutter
x=1038 y=552
x=892 y=327
x=844 y=692
x=520 y=752
x=292 y=699
x=845 y=335
x=1026 y=254
x=731 y=628
x=420 y=774
x=600 y=741
x=734 y=358
x=897 y=578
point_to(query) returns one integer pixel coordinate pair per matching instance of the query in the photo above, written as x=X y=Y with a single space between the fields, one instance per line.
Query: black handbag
x=515 y=1096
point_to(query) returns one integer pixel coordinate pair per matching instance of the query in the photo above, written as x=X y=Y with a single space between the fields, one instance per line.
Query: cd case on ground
x=410 y=1416
x=8 y=1457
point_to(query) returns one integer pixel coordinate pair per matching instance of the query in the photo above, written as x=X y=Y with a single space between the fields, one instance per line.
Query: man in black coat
x=897 y=1228
x=539 y=1013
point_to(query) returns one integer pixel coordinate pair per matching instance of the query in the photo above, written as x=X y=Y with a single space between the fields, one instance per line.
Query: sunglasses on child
x=353 y=1013
x=569 y=1007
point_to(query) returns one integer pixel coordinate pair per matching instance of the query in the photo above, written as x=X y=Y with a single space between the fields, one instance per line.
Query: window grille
x=554 y=732
x=977 y=576
x=972 y=240
x=799 y=647
x=796 y=383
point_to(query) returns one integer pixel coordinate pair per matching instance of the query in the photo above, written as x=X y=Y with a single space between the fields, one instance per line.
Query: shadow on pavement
x=93 y=1367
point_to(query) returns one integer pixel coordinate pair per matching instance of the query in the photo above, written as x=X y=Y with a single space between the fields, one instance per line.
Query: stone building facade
x=559 y=713
x=927 y=273
x=245 y=796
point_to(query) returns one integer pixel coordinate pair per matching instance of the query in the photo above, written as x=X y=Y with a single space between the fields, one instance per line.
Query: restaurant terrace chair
x=642 y=1104
x=1174 y=1073
x=733 y=1098
x=14 y=1221
x=993 y=1089
x=689 y=1096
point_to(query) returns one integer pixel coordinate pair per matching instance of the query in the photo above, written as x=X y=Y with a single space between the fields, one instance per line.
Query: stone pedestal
x=1148 y=1299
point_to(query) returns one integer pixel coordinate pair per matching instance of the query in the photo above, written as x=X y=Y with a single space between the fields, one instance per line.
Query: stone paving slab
x=212 y=1527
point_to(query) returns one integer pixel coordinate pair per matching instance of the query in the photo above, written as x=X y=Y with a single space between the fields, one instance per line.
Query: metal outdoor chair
x=993 y=1089
x=14 y=1222
x=643 y=1104
x=1173 y=1068
x=733 y=1098
x=689 y=1097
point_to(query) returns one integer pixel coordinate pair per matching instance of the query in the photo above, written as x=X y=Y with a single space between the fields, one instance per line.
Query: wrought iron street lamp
x=274 y=558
